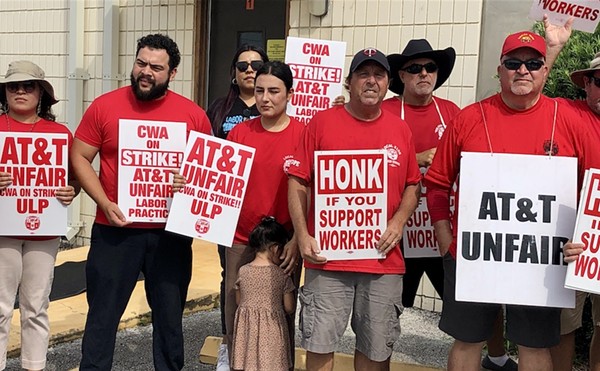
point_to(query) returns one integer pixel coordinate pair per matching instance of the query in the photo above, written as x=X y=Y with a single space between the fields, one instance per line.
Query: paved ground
x=421 y=342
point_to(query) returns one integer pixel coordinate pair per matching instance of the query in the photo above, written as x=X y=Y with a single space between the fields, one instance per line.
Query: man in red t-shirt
x=514 y=121
x=370 y=289
x=119 y=249
x=589 y=108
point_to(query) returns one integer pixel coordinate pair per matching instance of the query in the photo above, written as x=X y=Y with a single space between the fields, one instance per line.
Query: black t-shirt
x=239 y=112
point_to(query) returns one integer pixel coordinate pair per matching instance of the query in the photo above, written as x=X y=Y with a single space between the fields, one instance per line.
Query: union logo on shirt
x=393 y=154
x=289 y=161
x=550 y=147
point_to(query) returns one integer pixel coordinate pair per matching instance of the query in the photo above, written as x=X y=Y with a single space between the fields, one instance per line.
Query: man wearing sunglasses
x=519 y=120
x=416 y=73
x=589 y=108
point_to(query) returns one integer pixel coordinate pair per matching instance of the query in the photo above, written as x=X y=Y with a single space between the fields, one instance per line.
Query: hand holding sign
x=114 y=214
x=5 y=180
x=390 y=238
x=65 y=195
x=309 y=250
x=572 y=250
x=178 y=181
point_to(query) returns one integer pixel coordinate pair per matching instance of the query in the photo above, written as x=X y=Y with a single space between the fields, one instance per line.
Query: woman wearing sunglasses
x=27 y=262
x=224 y=114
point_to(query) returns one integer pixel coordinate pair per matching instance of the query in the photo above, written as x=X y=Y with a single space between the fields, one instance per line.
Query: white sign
x=317 y=66
x=148 y=151
x=515 y=212
x=585 y=12
x=418 y=236
x=350 y=203
x=38 y=164
x=217 y=173
x=584 y=274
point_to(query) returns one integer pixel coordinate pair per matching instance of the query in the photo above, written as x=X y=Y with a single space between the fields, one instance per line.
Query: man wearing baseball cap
x=520 y=120
x=368 y=290
x=589 y=109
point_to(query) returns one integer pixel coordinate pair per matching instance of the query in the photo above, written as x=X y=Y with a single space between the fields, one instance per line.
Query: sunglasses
x=243 y=66
x=515 y=64
x=595 y=80
x=27 y=86
x=416 y=68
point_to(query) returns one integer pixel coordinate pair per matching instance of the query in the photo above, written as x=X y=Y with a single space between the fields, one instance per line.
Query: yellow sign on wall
x=276 y=49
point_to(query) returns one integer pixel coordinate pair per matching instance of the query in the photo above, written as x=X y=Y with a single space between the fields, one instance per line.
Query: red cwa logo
x=202 y=226
x=32 y=222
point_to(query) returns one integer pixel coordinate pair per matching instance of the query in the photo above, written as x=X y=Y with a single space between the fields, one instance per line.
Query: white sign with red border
x=515 y=212
x=217 y=173
x=39 y=166
x=584 y=274
x=350 y=203
x=585 y=12
x=317 y=67
x=148 y=152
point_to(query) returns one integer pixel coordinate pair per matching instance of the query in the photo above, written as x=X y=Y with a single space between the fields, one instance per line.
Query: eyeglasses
x=243 y=66
x=595 y=80
x=416 y=68
x=515 y=64
x=27 y=86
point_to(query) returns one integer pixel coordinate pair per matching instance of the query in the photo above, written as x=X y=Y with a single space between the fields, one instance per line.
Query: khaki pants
x=26 y=266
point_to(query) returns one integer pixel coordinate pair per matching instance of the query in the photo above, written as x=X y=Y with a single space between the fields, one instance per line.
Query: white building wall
x=389 y=24
x=38 y=30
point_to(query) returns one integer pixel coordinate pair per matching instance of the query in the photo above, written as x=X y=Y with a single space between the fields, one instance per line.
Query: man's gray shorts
x=328 y=298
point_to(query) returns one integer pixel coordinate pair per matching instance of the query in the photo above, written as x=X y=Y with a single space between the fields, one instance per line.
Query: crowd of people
x=423 y=136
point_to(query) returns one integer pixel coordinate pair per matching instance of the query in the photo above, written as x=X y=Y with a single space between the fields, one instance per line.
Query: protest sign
x=317 y=69
x=418 y=236
x=38 y=164
x=512 y=223
x=217 y=172
x=350 y=203
x=584 y=12
x=584 y=274
x=148 y=151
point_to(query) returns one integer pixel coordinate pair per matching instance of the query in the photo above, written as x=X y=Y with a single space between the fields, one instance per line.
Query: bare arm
x=297 y=202
x=82 y=155
x=556 y=38
x=289 y=302
x=393 y=232
x=443 y=234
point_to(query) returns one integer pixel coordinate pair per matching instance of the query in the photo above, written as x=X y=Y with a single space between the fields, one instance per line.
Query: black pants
x=415 y=267
x=116 y=257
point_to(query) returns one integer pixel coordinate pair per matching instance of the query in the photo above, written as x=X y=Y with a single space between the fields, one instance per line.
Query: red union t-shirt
x=99 y=128
x=510 y=131
x=336 y=129
x=266 y=192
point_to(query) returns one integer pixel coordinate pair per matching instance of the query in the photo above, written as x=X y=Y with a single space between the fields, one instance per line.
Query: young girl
x=264 y=293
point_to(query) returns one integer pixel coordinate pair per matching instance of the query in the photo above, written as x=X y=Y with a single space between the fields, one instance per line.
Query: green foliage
x=576 y=55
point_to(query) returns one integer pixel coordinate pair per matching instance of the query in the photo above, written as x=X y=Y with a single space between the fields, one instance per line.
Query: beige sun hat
x=28 y=71
x=577 y=76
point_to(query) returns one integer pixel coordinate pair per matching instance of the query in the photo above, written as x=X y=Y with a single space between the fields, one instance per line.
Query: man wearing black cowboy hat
x=589 y=108
x=416 y=73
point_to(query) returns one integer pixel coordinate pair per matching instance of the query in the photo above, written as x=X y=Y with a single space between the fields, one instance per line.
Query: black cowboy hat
x=420 y=48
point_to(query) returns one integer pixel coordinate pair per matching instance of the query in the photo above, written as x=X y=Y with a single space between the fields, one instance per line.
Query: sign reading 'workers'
x=584 y=273
x=512 y=225
x=350 y=203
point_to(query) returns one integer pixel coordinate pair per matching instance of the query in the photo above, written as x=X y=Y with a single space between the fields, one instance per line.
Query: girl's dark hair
x=221 y=106
x=45 y=107
x=267 y=233
x=280 y=70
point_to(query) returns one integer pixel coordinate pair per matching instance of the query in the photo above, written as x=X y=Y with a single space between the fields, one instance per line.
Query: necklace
x=8 y=123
